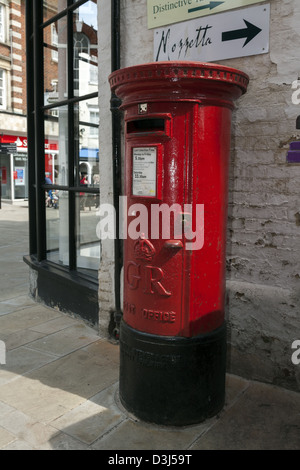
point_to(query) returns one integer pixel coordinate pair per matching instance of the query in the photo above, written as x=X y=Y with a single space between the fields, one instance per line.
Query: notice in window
x=19 y=176
x=144 y=171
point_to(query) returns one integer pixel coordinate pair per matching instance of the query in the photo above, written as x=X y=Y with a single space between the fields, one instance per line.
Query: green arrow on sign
x=210 y=5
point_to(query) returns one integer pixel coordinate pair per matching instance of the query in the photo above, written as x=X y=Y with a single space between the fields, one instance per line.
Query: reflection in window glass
x=54 y=42
x=87 y=143
x=85 y=56
x=72 y=37
x=94 y=120
x=55 y=62
x=52 y=7
x=5 y=176
x=2 y=23
x=57 y=227
x=20 y=176
x=2 y=89
x=88 y=247
x=56 y=145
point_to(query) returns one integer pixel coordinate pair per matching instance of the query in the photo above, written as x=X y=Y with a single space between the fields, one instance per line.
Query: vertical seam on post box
x=185 y=259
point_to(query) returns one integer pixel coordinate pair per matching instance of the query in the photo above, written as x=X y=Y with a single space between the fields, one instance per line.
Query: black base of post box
x=172 y=381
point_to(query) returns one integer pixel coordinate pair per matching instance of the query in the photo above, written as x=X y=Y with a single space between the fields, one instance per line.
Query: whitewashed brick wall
x=263 y=248
x=106 y=272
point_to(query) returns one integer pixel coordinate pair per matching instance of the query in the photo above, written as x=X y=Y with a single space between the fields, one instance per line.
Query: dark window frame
x=35 y=26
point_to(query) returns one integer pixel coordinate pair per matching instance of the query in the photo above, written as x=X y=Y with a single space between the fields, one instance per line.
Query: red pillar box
x=173 y=334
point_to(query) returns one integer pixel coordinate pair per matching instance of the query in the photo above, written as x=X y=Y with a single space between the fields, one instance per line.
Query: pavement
x=59 y=383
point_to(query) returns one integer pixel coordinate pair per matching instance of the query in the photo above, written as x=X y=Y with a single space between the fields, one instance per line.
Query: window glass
x=66 y=117
x=56 y=145
x=5 y=176
x=2 y=23
x=2 y=89
x=85 y=53
x=88 y=248
x=20 y=176
x=57 y=227
x=54 y=42
x=86 y=142
x=52 y=7
x=55 y=62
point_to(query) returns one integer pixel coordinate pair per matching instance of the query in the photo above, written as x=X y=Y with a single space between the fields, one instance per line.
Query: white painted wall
x=263 y=249
x=106 y=272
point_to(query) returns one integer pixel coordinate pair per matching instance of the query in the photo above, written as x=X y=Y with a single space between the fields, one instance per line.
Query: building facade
x=74 y=270
x=13 y=106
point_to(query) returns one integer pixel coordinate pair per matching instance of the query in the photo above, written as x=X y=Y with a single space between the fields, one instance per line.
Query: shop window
x=66 y=124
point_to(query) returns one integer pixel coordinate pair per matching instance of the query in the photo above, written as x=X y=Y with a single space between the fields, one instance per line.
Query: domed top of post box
x=178 y=81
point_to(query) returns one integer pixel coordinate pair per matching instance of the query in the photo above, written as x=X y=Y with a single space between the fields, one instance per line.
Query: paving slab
x=55 y=388
x=21 y=361
x=26 y=318
x=38 y=400
x=63 y=441
x=65 y=340
x=19 y=301
x=134 y=434
x=27 y=429
x=22 y=287
x=55 y=325
x=263 y=418
x=93 y=418
x=18 y=444
x=13 y=304
x=5 y=437
x=20 y=338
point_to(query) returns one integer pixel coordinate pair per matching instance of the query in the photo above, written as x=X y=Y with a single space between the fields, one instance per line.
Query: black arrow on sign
x=210 y=5
x=249 y=33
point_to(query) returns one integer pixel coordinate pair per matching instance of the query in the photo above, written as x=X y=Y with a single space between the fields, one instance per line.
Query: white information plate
x=144 y=171
x=237 y=33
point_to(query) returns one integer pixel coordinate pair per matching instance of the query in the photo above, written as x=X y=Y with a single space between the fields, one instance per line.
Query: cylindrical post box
x=173 y=333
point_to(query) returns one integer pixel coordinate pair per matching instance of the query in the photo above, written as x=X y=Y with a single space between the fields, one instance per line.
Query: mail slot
x=146 y=125
x=177 y=144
